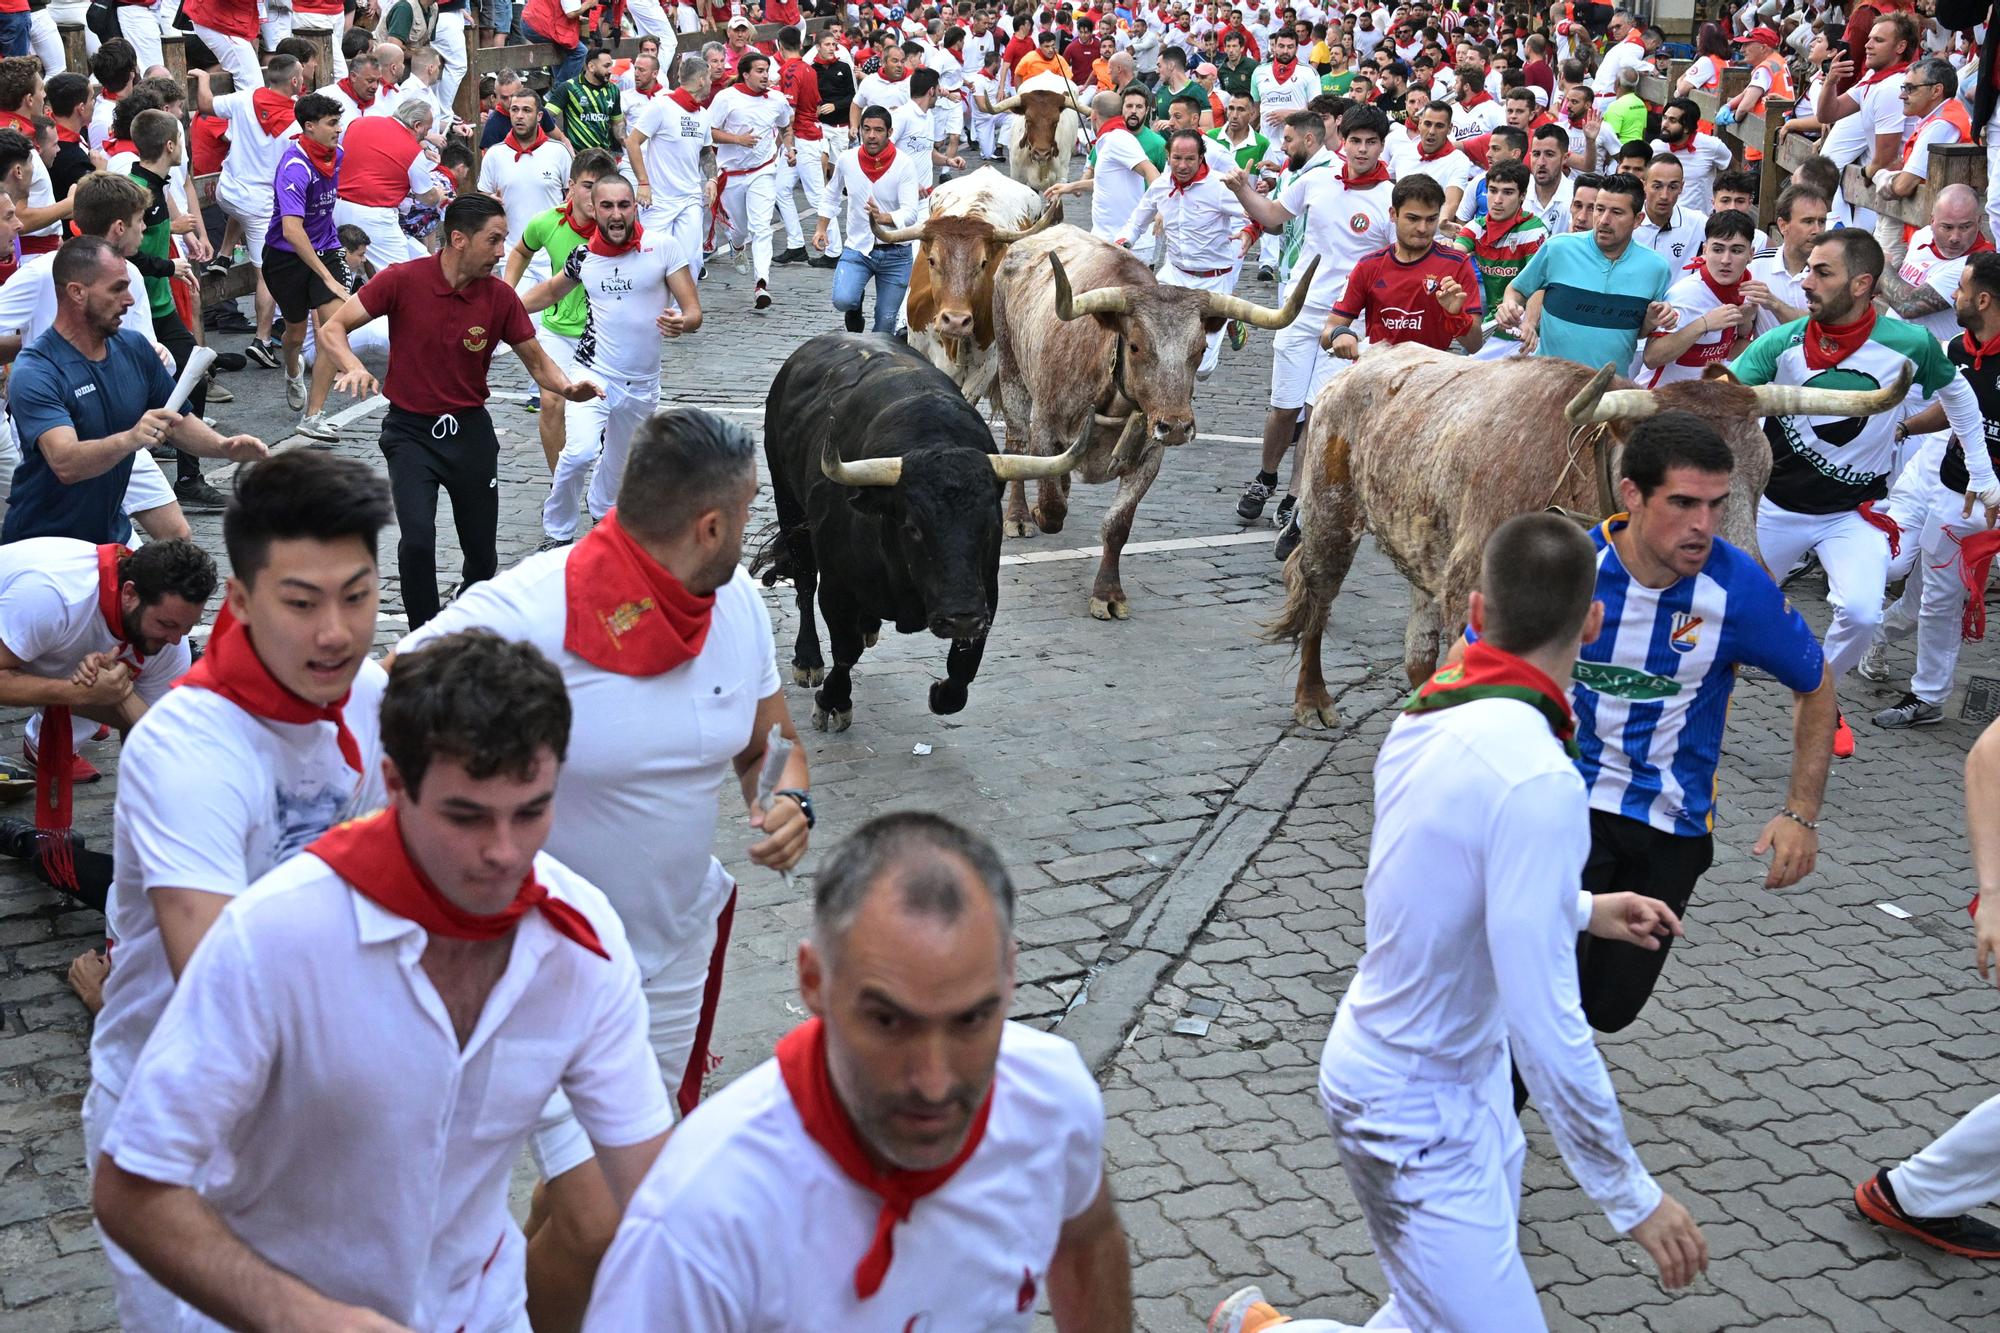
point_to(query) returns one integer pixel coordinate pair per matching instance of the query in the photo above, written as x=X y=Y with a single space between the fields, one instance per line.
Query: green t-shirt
x=550 y=231
x=1626 y=117
x=1163 y=96
x=1151 y=142
x=1253 y=151
x=1235 y=79
x=591 y=117
x=1337 y=83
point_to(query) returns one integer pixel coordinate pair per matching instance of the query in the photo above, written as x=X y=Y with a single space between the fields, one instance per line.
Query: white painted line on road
x=358 y=411
x=1138 y=548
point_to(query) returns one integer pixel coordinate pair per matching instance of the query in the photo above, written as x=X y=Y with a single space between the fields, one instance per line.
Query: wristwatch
x=805 y=803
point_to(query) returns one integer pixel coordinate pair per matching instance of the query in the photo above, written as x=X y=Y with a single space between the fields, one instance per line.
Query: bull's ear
x=874 y=501
x=1718 y=371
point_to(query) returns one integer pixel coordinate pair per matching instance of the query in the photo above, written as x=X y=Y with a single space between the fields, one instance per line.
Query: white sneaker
x=1875 y=663
x=295 y=391
x=317 y=427
x=743 y=261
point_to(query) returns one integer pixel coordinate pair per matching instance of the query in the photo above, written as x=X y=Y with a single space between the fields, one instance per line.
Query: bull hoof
x=1050 y=522
x=868 y=640
x=1016 y=527
x=825 y=721
x=1315 y=716
x=1117 y=608
x=804 y=675
x=947 y=696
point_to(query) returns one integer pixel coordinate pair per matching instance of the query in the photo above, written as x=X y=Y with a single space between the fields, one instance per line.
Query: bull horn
x=1048 y=219
x=900 y=236
x=1034 y=467
x=861 y=472
x=1005 y=104
x=1103 y=301
x=1791 y=400
x=1225 y=306
x=1593 y=405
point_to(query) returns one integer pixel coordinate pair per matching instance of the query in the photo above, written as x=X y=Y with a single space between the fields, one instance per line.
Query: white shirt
x=896 y=193
x=1555 y=213
x=1880 y=111
x=252 y=161
x=185 y=821
x=1342 y=227
x=912 y=131
x=675 y=137
x=635 y=102
x=1929 y=133
x=1623 y=55
x=28 y=300
x=744 y=1222
x=50 y=619
x=1922 y=266
x=350 y=110
x=1470 y=121
x=1768 y=267
x=529 y=184
x=1203 y=222
x=1691 y=299
x=735 y=111
x=1452 y=169
x=100 y=121
x=1281 y=98
x=636 y=805
x=1679 y=241
x=367 y=1153
x=951 y=74
x=1116 y=185
x=878 y=91
x=1472 y=912
x=626 y=294
x=1702 y=158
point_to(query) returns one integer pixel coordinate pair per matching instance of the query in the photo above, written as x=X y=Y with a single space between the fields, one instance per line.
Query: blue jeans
x=889 y=265
x=572 y=61
x=14 y=40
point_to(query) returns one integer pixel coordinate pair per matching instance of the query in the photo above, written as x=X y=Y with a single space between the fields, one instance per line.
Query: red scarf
x=1875 y=76
x=64 y=134
x=55 y=754
x=369 y=854
x=1979 y=243
x=275 y=113
x=1477 y=99
x=1485 y=239
x=346 y=85
x=322 y=156
x=1379 y=176
x=1282 y=71
x=14 y=120
x=1726 y=295
x=1826 y=346
x=521 y=150
x=1112 y=126
x=684 y=99
x=1450 y=146
x=232 y=669
x=1888 y=526
x=113 y=147
x=802 y=1063
x=1975 y=562
x=600 y=245
x=584 y=227
x=626 y=613
x=1980 y=351
x=1486 y=672
x=875 y=167
x=1180 y=187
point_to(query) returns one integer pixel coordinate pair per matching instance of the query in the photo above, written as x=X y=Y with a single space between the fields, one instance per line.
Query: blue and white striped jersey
x=1652 y=692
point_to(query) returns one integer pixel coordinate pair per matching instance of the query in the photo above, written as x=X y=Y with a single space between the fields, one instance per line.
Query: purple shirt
x=305 y=194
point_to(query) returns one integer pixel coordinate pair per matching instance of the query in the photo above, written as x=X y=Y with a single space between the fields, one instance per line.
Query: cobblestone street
x=1176 y=840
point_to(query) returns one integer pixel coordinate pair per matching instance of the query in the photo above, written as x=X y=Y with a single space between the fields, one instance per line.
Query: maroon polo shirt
x=442 y=341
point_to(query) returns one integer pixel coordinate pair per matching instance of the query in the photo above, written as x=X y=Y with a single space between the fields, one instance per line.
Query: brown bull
x=1092 y=347
x=1042 y=137
x=1431 y=452
x=972 y=221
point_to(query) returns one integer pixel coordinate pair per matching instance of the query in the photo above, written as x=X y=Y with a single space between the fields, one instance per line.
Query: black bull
x=888 y=490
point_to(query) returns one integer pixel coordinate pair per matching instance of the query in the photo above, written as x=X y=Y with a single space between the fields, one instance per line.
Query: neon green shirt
x=551 y=231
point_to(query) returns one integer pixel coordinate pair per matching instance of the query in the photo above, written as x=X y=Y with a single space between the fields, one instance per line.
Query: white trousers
x=990 y=131
x=337 y=25
x=273 y=26
x=388 y=243
x=237 y=55
x=683 y=221
x=140 y=25
x=673 y=1013
x=1300 y=368
x=788 y=204
x=1958 y=1172
x=747 y=205
x=1855 y=555
x=810 y=175
x=46 y=42
x=1173 y=275
x=1934 y=523
x=448 y=36
x=652 y=21
x=596 y=438
x=73 y=11
x=141 y=1302
x=1434 y=1160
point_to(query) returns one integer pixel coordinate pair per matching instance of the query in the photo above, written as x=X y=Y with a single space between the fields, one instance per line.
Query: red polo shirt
x=375 y=169
x=237 y=18
x=441 y=341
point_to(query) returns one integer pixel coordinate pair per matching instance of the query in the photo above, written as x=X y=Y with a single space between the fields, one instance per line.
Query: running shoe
x=198 y=497
x=822 y=261
x=224 y=317
x=795 y=255
x=763 y=300
x=1843 y=739
x=230 y=361
x=264 y=352
x=1288 y=538
x=1909 y=711
x=1245 y=1311
x=554 y=544
x=1255 y=496
x=1874 y=663
x=1267 y=274
x=1965 y=1236
x=295 y=391
x=1284 y=514
x=318 y=429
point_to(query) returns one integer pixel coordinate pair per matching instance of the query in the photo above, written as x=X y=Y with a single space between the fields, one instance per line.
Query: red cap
x=1764 y=35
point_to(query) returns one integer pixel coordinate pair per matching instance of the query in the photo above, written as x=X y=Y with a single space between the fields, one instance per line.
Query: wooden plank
x=1950 y=164
x=322 y=44
x=241 y=280
x=174 y=50
x=1771 y=172
x=76 y=56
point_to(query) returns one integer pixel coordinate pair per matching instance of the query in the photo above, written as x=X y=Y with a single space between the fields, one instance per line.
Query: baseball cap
x=740 y=22
x=1764 y=35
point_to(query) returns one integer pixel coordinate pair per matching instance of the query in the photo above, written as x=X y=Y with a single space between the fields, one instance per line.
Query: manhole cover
x=1982 y=699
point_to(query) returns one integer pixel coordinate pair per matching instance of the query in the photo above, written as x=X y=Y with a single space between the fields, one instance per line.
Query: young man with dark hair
x=70 y=102
x=1412 y=290
x=1552 y=185
x=426 y=967
x=665 y=648
x=447 y=316
x=556 y=234
x=1713 y=320
x=751 y=126
x=1703 y=157
x=1777 y=275
x=1605 y=291
x=871 y=182
x=114 y=69
x=287 y=691
x=588 y=107
x=302 y=263
x=1500 y=242
x=1737 y=190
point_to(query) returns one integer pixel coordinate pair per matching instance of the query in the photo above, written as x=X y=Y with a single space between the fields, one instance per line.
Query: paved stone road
x=1175 y=840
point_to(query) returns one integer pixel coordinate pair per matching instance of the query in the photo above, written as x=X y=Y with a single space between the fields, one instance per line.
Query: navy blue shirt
x=53 y=385
x=496 y=127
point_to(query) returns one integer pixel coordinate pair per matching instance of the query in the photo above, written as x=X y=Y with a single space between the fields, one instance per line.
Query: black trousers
x=460 y=454
x=174 y=336
x=93 y=874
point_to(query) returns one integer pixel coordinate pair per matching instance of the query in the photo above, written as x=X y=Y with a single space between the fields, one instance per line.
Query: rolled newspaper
x=197 y=366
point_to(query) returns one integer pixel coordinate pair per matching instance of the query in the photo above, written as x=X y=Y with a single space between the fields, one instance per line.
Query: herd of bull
x=889 y=487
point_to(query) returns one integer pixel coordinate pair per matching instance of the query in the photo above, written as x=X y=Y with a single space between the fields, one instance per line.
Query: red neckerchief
x=744 y=88
x=1827 y=345
x=522 y=150
x=55 y=754
x=599 y=245
x=1726 y=295
x=684 y=99
x=64 y=134
x=626 y=613
x=1633 y=39
x=1477 y=99
x=1890 y=528
x=1376 y=177
x=802 y=1064
x=1979 y=244
x=232 y=669
x=1283 y=71
x=653 y=91
x=14 y=120
x=275 y=113
x=1487 y=237
x=1112 y=126
x=113 y=147
x=369 y=854
x=874 y=168
x=1450 y=146
x=1486 y=672
x=322 y=156
x=1975 y=562
x=1980 y=351
x=1180 y=187
x=1876 y=76
x=584 y=227
x=346 y=85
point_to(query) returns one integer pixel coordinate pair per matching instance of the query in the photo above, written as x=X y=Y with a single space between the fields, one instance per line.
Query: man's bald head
x=1955 y=220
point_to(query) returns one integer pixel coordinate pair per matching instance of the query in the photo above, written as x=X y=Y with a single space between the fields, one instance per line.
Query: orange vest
x=1952 y=113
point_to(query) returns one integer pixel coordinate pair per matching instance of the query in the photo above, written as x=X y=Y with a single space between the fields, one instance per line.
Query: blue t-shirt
x=303 y=193
x=54 y=385
x=1595 y=307
x=1652 y=691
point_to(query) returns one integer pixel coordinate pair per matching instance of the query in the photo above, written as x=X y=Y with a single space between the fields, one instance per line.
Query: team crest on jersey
x=1358 y=223
x=1684 y=635
x=620 y=621
x=1431 y=285
x=475 y=338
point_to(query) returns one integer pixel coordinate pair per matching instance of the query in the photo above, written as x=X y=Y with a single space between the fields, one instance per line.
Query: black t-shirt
x=72 y=164
x=836 y=85
x=1985 y=381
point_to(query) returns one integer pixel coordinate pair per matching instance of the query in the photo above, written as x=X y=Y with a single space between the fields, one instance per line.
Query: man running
x=664 y=152
x=555 y=234
x=1205 y=227
x=750 y=124
x=1713 y=319
x=1413 y=290
x=528 y=171
x=872 y=182
x=1500 y=243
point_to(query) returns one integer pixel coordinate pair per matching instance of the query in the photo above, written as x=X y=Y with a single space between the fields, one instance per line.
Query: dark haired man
x=1205 y=229
x=954 y=1159
x=287 y=692
x=588 y=106
x=70 y=103
x=666 y=650
x=1605 y=292
x=871 y=182
x=447 y=316
x=1500 y=242
x=1713 y=318
x=1472 y=916
x=303 y=266
x=1413 y=290
x=1703 y=157
x=751 y=124
x=367 y=1035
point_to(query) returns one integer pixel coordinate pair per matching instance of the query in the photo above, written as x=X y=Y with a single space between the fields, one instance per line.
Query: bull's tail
x=1330 y=527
